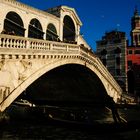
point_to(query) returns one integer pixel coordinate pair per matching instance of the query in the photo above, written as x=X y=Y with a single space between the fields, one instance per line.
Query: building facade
x=133 y=56
x=123 y=60
x=111 y=49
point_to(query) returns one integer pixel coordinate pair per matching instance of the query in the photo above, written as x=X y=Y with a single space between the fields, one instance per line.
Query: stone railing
x=17 y=42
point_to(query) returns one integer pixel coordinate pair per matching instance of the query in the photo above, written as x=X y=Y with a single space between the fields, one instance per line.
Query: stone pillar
x=61 y=26
x=2 y=17
x=77 y=33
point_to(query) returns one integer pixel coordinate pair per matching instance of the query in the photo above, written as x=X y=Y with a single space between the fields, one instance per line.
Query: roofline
x=28 y=7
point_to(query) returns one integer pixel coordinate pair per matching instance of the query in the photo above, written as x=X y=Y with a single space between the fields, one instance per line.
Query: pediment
x=56 y=11
x=73 y=13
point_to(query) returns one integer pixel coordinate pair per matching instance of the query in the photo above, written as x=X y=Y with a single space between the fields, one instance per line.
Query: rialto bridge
x=34 y=42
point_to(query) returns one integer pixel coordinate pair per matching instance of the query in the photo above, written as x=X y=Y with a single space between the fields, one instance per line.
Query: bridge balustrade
x=10 y=41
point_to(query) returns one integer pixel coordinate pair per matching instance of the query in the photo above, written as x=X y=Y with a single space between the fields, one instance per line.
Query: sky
x=97 y=16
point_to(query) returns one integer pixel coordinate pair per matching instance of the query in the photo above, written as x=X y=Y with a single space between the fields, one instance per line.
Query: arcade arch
x=13 y=24
x=68 y=29
x=35 y=29
x=51 y=32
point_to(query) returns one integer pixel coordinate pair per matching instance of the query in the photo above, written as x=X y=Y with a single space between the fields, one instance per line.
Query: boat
x=70 y=118
x=95 y=127
x=22 y=102
x=69 y=122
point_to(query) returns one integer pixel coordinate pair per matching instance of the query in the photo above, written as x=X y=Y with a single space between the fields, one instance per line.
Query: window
x=136 y=38
x=117 y=41
x=118 y=72
x=118 y=60
x=129 y=63
x=117 y=50
x=130 y=52
x=137 y=51
x=104 y=52
x=103 y=42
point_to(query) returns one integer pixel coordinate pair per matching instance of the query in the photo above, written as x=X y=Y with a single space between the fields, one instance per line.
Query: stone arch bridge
x=42 y=43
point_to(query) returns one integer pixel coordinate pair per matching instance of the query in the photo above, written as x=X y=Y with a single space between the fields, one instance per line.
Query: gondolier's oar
x=123 y=119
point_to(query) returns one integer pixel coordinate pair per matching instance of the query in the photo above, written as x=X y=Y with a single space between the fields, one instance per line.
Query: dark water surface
x=36 y=129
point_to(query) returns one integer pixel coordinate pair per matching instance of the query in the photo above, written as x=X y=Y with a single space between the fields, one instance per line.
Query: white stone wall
x=27 y=13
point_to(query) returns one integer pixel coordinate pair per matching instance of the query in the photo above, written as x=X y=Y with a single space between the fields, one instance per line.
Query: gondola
x=96 y=127
x=67 y=118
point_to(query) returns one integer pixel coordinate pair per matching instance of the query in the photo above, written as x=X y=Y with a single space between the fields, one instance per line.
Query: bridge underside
x=67 y=84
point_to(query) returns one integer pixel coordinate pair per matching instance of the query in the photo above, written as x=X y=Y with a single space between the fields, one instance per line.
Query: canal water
x=36 y=128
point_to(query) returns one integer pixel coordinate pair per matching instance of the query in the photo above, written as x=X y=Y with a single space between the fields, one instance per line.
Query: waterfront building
x=111 y=49
x=133 y=56
x=124 y=63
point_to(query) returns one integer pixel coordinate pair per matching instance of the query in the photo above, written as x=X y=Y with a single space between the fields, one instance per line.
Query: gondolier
x=109 y=102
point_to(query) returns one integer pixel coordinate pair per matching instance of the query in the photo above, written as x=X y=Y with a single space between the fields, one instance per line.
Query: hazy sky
x=97 y=16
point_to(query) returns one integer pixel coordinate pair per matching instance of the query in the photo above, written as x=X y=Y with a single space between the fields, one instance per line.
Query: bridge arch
x=13 y=24
x=51 y=32
x=44 y=69
x=69 y=30
x=35 y=29
x=67 y=86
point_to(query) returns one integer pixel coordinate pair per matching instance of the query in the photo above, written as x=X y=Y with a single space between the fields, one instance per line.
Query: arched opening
x=68 y=30
x=63 y=85
x=13 y=24
x=35 y=29
x=51 y=33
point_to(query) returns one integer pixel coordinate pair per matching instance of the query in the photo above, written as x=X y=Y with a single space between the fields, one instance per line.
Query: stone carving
x=2 y=62
x=4 y=92
x=26 y=65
